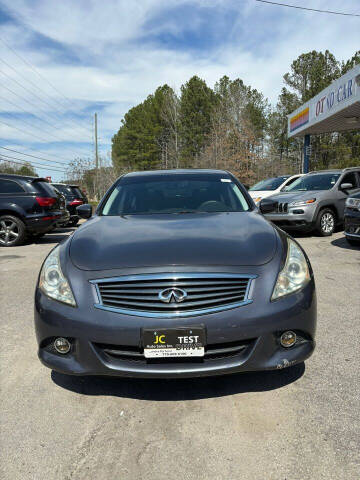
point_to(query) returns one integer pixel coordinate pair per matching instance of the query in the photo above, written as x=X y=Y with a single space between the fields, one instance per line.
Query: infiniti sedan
x=177 y=274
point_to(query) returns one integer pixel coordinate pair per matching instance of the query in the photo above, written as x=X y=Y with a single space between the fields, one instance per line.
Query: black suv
x=73 y=197
x=29 y=206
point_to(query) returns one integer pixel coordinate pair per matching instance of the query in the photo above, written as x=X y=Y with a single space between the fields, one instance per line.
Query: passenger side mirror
x=346 y=186
x=267 y=205
x=84 y=211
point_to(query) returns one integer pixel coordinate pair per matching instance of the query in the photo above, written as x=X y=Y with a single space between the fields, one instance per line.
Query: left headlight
x=295 y=274
x=53 y=282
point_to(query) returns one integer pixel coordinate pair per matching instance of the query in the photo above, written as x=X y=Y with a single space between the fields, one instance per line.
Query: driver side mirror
x=84 y=211
x=267 y=205
x=346 y=186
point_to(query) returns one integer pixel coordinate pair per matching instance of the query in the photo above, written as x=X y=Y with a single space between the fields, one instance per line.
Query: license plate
x=174 y=342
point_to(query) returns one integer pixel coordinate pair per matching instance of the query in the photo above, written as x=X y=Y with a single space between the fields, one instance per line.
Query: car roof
x=65 y=184
x=13 y=176
x=335 y=170
x=179 y=171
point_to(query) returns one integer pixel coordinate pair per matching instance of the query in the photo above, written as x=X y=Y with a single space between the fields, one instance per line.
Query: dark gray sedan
x=176 y=275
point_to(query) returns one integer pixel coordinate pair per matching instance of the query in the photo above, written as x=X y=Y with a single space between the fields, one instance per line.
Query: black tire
x=354 y=243
x=326 y=222
x=12 y=231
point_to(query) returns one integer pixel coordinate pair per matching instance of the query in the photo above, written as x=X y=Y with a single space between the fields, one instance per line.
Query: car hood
x=105 y=242
x=261 y=193
x=289 y=197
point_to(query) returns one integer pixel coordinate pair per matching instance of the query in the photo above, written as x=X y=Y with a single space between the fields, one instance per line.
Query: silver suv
x=315 y=201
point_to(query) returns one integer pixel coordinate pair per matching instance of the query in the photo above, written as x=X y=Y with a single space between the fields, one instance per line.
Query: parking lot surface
x=295 y=424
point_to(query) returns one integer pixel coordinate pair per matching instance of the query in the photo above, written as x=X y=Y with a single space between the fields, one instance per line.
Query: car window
x=269 y=184
x=77 y=192
x=350 y=178
x=175 y=194
x=317 y=181
x=44 y=188
x=9 y=186
x=288 y=183
x=64 y=189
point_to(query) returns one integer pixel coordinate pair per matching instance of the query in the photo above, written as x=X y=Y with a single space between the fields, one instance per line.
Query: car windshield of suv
x=269 y=184
x=175 y=194
x=318 y=181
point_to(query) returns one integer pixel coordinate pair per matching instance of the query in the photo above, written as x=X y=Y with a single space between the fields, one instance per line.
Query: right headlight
x=295 y=274
x=353 y=203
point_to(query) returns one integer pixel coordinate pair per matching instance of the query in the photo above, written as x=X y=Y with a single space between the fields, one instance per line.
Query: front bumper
x=255 y=328
x=296 y=218
x=352 y=224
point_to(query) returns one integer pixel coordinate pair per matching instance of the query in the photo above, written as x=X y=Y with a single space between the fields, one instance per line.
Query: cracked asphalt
x=301 y=423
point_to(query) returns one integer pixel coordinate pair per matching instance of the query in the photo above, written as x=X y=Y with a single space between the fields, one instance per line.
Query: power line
x=32 y=67
x=33 y=105
x=34 y=164
x=36 y=86
x=32 y=156
x=309 y=9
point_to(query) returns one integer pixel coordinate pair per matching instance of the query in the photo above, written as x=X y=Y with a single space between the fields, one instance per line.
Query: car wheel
x=12 y=231
x=325 y=224
x=354 y=243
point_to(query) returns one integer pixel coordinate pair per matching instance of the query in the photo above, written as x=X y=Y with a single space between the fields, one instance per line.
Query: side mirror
x=267 y=205
x=346 y=186
x=84 y=211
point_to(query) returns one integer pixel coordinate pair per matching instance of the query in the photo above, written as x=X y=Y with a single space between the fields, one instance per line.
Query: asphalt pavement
x=302 y=423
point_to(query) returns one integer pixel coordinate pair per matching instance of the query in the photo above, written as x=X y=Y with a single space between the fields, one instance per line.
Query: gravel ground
x=297 y=424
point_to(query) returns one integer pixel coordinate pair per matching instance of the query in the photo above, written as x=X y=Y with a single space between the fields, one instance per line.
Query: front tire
x=12 y=231
x=325 y=223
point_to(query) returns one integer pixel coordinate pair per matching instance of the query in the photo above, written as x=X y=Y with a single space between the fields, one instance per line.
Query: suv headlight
x=353 y=203
x=52 y=281
x=302 y=203
x=295 y=274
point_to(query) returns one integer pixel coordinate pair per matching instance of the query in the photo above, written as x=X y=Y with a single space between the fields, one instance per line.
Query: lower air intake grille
x=167 y=295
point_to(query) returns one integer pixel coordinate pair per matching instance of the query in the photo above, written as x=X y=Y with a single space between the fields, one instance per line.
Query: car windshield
x=175 y=194
x=269 y=184
x=318 y=181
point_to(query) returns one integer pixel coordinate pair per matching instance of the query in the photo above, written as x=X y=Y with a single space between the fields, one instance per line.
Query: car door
x=353 y=178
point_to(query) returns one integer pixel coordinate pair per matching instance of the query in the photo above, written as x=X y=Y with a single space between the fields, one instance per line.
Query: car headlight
x=353 y=203
x=295 y=274
x=52 y=281
x=302 y=203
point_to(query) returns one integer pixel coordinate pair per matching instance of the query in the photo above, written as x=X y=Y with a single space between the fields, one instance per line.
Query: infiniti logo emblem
x=171 y=295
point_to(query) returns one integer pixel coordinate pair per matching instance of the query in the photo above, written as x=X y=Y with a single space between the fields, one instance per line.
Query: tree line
x=233 y=125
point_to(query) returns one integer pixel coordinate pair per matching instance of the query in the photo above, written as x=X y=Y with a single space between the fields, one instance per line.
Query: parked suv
x=28 y=207
x=315 y=201
x=271 y=186
x=73 y=197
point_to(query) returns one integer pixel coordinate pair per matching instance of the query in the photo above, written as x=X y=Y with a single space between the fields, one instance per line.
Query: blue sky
x=107 y=56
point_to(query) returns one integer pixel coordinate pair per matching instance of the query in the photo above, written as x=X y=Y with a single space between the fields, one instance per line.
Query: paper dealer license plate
x=174 y=342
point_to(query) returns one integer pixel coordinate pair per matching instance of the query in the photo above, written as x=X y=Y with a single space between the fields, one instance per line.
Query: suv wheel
x=325 y=223
x=12 y=231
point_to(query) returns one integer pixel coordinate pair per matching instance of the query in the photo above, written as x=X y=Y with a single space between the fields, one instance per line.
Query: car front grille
x=175 y=294
x=282 y=207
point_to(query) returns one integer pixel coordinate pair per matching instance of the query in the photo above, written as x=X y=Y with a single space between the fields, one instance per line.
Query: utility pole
x=96 y=145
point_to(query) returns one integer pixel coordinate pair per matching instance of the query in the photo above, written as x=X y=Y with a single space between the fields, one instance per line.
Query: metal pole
x=306 y=164
x=96 y=144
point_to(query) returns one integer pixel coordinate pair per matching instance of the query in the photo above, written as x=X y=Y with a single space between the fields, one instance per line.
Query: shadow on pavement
x=343 y=243
x=179 y=389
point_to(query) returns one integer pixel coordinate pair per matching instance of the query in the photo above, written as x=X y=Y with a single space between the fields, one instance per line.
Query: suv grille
x=282 y=207
x=167 y=295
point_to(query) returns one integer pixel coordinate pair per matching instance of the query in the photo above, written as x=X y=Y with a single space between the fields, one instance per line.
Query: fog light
x=288 y=339
x=62 y=345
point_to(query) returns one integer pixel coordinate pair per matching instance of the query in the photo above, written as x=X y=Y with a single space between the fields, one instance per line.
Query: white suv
x=271 y=186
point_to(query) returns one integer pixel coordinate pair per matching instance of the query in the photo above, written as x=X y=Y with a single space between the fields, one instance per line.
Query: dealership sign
x=341 y=94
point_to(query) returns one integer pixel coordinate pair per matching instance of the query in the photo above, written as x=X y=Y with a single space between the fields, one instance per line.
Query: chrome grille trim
x=137 y=295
